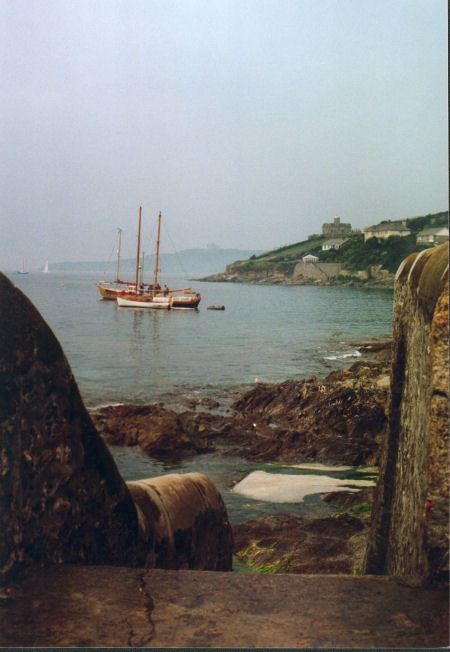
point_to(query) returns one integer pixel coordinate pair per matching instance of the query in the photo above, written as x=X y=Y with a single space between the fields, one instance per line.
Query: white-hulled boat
x=144 y=301
x=139 y=298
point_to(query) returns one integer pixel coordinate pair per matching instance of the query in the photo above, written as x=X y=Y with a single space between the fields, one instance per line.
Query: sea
x=265 y=333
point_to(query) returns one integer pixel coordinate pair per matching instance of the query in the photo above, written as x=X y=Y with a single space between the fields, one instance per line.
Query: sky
x=248 y=123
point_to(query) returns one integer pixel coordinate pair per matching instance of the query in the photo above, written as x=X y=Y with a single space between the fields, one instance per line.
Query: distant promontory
x=341 y=254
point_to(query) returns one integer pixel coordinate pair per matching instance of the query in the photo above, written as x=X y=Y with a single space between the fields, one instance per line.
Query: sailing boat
x=153 y=298
x=22 y=270
x=111 y=290
x=181 y=299
x=45 y=270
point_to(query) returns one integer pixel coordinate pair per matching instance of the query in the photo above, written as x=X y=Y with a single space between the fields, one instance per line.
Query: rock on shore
x=340 y=419
x=286 y=543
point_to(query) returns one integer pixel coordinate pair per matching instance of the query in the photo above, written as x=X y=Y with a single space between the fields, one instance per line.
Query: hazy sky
x=248 y=123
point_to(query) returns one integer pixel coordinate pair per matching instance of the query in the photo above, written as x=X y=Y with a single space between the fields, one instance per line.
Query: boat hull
x=108 y=293
x=178 y=303
x=155 y=303
x=189 y=300
x=112 y=290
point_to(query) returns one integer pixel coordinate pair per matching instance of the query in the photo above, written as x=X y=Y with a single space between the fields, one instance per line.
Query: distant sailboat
x=46 y=270
x=111 y=290
x=22 y=270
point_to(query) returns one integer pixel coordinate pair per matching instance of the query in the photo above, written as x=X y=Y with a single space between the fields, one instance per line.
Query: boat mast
x=155 y=278
x=118 y=254
x=142 y=268
x=138 y=248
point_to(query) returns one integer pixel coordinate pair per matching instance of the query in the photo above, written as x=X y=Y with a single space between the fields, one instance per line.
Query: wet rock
x=291 y=544
x=206 y=402
x=160 y=432
x=352 y=500
x=340 y=419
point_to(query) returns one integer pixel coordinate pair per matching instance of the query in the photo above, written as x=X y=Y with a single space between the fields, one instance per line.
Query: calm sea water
x=269 y=332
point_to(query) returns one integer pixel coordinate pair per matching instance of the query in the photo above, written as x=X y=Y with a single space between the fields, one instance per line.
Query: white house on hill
x=386 y=230
x=334 y=243
x=435 y=235
x=309 y=258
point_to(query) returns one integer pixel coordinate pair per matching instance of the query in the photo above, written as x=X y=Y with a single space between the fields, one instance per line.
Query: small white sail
x=46 y=270
x=22 y=270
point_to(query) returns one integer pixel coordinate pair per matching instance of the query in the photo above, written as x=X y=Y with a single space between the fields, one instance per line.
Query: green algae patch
x=260 y=559
x=270 y=569
x=361 y=511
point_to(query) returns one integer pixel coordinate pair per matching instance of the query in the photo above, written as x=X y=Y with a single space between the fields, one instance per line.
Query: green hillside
x=355 y=253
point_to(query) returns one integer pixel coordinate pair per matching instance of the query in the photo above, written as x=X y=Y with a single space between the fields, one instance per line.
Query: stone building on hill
x=336 y=228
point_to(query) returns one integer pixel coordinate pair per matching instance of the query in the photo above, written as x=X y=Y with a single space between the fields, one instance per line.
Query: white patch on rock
x=280 y=488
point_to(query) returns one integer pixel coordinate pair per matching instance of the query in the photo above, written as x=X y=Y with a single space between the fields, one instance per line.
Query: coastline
x=377 y=282
x=258 y=423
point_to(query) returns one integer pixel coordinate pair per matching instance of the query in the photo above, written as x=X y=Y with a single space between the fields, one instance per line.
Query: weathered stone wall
x=62 y=498
x=316 y=271
x=406 y=529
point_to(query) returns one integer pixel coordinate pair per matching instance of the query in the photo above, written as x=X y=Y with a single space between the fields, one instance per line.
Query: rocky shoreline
x=340 y=419
x=379 y=282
